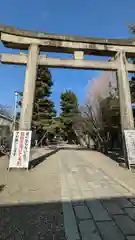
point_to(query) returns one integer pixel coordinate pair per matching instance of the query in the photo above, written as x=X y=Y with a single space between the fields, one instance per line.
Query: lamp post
x=15 y=108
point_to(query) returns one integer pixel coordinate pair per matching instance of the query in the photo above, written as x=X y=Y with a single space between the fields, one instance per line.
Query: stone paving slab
x=123 y=202
x=98 y=211
x=130 y=212
x=82 y=212
x=109 y=231
x=132 y=200
x=126 y=225
x=131 y=238
x=112 y=207
x=71 y=230
x=88 y=230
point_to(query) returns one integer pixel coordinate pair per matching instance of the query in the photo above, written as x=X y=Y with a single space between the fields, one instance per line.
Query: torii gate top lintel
x=52 y=36
x=17 y=38
x=35 y=42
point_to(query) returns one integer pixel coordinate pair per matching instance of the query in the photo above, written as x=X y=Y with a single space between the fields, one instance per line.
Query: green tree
x=69 y=110
x=43 y=106
x=43 y=109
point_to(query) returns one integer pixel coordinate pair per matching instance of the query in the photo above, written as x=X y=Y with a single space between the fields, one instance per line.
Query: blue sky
x=95 y=18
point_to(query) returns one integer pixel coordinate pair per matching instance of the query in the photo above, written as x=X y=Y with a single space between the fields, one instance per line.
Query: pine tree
x=43 y=109
x=69 y=110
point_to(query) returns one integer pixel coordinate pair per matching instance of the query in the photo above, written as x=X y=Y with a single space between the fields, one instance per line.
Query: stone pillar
x=126 y=113
x=29 y=88
x=127 y=120
x=78 y=55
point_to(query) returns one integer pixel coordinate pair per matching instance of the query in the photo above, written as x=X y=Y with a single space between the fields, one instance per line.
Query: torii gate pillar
x=29 y=88
x=126 y=113
x=127 y=120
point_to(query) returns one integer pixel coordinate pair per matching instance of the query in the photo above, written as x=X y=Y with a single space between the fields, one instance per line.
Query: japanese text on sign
x=20 y=149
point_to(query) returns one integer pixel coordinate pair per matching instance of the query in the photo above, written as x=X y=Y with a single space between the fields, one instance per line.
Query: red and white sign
x=20 y=151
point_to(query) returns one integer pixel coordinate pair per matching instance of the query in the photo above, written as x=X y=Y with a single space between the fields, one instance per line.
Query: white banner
x=20 y=151
x=130 y=145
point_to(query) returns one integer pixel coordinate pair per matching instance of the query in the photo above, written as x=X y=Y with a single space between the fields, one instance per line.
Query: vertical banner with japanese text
x=20 y=151
x=130 y=145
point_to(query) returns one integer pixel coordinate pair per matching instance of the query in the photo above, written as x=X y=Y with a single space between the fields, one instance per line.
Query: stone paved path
x=96 y=206
x=73 y=195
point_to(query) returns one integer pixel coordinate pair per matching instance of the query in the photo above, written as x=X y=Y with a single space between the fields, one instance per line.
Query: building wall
x=5 y=125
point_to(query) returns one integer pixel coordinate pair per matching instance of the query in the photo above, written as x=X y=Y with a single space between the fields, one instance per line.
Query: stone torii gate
x=119 y=49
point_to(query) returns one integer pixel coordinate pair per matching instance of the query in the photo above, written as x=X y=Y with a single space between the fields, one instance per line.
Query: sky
x=92 y=18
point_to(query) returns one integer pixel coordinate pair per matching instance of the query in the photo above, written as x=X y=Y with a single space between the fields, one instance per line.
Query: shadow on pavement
x=36 y=161
x=75 y=148
x=100 y=219
x=116 y=156
x=2 y=187
x=54 y=149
